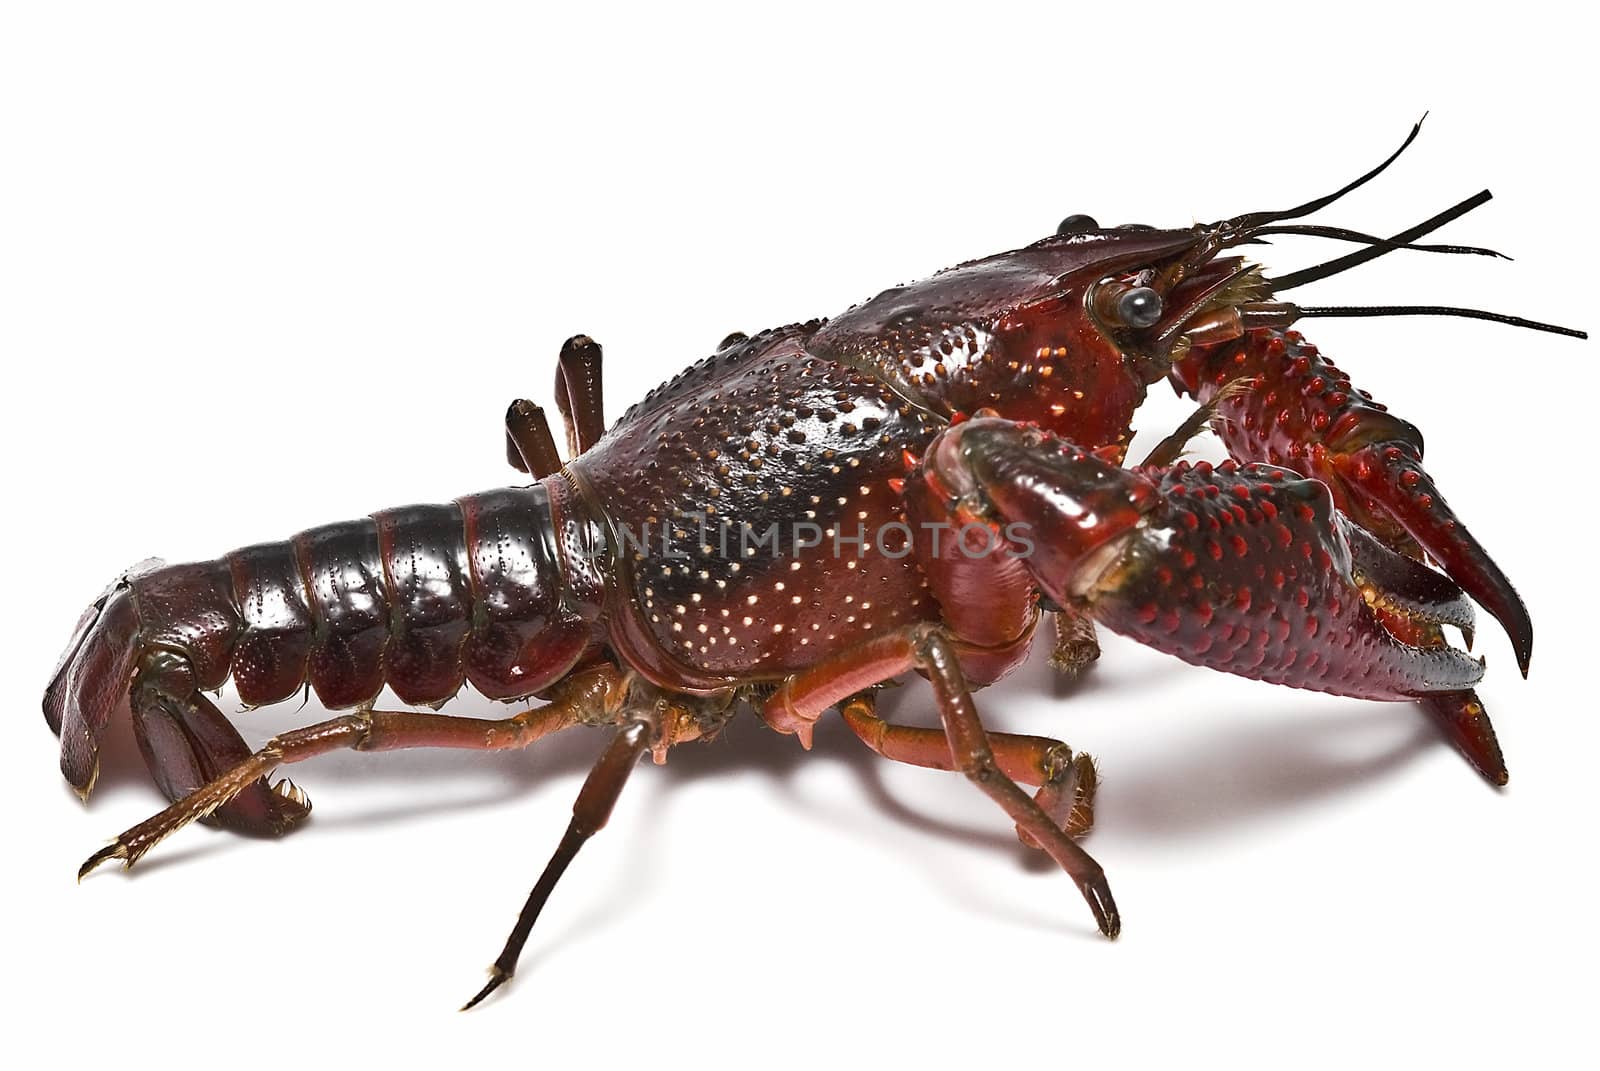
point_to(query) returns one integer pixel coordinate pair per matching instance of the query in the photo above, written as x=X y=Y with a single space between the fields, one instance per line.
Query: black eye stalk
x=1077 y=225
x=1139 y=308
x=1122 y=305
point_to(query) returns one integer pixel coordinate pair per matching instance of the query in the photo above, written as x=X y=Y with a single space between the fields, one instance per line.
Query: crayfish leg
x=529 y=445
x=187 y=743
x=590 y=812
x=579 y=393
x=583 y=698
x=801 y=699
x=1066 y=781
x=1076 y=647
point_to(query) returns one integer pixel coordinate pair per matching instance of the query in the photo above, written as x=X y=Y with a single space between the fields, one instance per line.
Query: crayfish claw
x=1300 y=411
x=1465 y=723
x=1389 y=480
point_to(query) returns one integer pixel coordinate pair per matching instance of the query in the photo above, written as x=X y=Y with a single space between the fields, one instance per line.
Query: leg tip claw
x=497 y=978
x=114 y=850
x=1105 y=910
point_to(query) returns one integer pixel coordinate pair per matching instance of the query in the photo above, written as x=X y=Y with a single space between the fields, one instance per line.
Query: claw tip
x=1105 y=910
x=99 y=857
x=496 y=978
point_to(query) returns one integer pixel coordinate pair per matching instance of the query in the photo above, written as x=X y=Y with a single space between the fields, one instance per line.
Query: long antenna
x=1436 y=310
x=1251 y=220
x=1345 y=234
x=1361 y=256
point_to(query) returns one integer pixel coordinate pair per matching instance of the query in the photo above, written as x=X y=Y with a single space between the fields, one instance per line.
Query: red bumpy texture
x=1303 y=413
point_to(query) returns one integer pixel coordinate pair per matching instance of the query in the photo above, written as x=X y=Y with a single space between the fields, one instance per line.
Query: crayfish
x=813 y=511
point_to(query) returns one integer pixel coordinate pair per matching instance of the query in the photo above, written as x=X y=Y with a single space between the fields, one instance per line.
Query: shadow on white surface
x=1218 y=775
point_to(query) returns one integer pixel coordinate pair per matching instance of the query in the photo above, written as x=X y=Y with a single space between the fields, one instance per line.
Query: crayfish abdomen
x=424 y=599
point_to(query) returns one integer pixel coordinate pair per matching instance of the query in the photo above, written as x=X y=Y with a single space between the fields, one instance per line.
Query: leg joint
x=350 y=730
x=980 y=769
x=1056 y=763
x=163 y=673
x=926 y=640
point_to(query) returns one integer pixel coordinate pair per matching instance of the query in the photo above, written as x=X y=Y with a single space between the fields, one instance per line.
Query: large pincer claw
x=1462 y=719
x=1385 y=478
x=1412 y=602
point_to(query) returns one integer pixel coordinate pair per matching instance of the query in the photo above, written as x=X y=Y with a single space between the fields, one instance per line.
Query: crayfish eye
x=1077 y=225
x=1139 y=307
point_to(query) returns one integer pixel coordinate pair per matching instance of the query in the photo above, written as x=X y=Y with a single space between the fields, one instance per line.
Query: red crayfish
x=815 y=510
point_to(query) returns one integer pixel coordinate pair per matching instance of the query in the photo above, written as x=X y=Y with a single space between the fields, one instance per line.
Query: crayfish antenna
x=1438 y=310
x=1372 y=252
x=1251 y=220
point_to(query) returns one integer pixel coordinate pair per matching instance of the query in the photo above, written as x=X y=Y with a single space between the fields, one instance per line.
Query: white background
x=259 y=271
